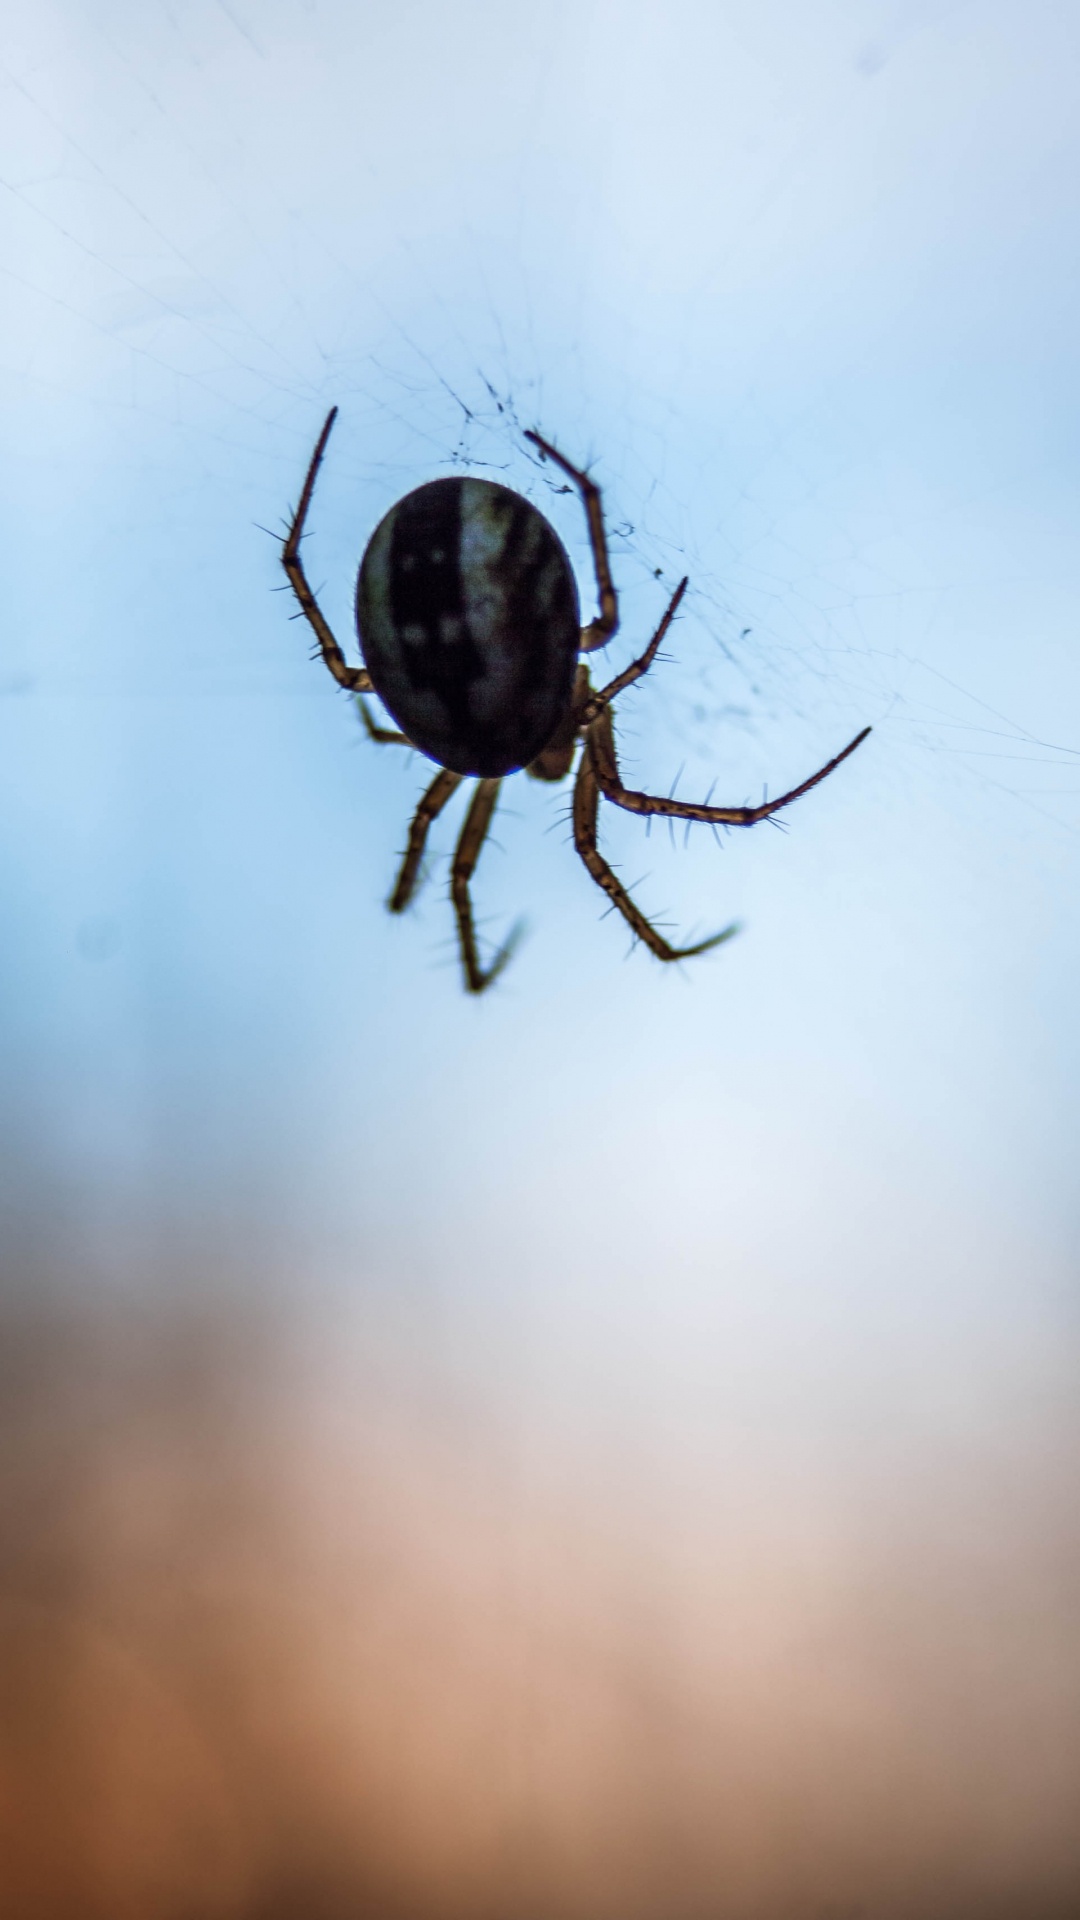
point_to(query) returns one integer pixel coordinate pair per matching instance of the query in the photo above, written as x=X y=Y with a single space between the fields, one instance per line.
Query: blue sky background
x=724 y=1316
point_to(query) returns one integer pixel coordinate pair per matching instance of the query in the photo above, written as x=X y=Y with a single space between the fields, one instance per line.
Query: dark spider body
x=467 y=614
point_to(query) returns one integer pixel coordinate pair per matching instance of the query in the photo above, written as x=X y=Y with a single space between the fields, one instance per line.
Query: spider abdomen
x=468 y=619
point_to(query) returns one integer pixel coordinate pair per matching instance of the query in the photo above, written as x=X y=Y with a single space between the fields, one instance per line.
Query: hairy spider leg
x=601 y=740
x=586 y=807
x=599 y=631
x=466 y=855
x=383 y=736
x=431 y=805
x=355 y=679
x=601 y=697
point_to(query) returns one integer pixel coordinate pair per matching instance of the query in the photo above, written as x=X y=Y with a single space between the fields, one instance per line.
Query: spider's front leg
x=466 y=855
x=586 y=807
x=431 y=805
x=601 y=741
x=355 y=679
x=599 y=631
x=382 y=736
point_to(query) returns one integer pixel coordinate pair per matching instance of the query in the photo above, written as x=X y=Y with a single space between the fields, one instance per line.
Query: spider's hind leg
x=354 y=679
x=599 y=631
x=466 y=855
x=586 y=807
x=603 y=696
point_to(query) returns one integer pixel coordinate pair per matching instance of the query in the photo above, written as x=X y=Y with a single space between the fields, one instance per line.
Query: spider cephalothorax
x=468 y=620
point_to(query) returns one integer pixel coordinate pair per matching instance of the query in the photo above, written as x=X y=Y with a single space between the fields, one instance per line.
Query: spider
x=469 y=625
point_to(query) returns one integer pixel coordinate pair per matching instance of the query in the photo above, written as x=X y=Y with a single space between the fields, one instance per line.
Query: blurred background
x=608 y=1448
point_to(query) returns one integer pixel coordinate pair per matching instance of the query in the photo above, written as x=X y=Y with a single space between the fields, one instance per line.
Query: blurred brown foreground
x=286 y=1632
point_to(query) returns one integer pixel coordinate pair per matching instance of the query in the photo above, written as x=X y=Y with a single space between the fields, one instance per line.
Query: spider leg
x=599 y=631
x=586 y=806
x=385 y=736
x=601 y=742
x=431 y=805
x=603 y=696
x=356 y=679
x=466 y=855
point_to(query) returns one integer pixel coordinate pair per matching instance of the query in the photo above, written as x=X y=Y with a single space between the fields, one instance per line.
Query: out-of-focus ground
x=278 y=1637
